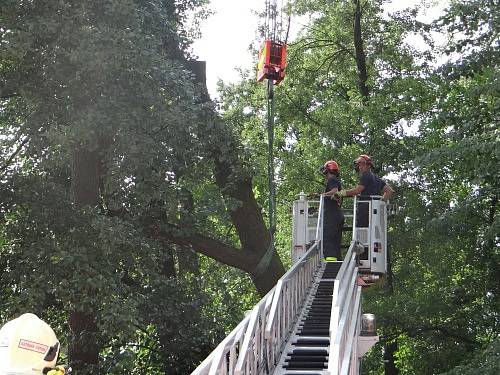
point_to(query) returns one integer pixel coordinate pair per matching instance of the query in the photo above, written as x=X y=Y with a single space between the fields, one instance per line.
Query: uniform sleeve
x=382 y=184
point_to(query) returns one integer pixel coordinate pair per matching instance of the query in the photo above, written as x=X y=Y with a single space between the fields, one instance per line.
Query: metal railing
x=223 y=359
x=289 y=296
x=255 y=345
x=344 y=316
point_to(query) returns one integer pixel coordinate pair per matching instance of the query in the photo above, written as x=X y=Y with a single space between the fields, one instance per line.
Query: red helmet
x=363 y=158
x=330 y=166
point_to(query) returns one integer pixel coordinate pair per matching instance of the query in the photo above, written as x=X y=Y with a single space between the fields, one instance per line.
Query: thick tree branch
x=492 y=210
x=215 y=249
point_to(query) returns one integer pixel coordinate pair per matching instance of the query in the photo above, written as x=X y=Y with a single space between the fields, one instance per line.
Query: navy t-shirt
x=373 y=185
x=332 y=208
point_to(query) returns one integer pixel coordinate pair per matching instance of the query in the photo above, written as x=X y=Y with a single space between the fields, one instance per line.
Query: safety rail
x=223 y=359
x=291 y=291
x=252 y=354
x=345 y=310
x=256 y=343
x=288 y=299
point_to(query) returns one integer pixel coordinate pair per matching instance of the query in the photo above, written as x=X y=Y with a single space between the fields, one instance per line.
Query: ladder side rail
x=275 y=335
x=345 y=283
x=226 y=355
x=310 y=262
x=335 y=313
x=233 y=337
x=235 y=349
x=252 y=349
x=349 y=360
x=289 y=297
x=349 y=258
x=355 y=354
x=339 y=284
x=319 y=225
x=345 y=309
x=346 y=320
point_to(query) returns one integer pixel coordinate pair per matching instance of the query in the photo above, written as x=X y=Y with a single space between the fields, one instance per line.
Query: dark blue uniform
x=373 y=186
x=333 y=220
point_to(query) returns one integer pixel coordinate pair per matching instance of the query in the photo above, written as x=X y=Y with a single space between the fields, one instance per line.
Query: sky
x=228 y=33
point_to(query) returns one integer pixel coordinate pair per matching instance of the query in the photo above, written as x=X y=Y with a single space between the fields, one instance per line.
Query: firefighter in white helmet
x=28 y=346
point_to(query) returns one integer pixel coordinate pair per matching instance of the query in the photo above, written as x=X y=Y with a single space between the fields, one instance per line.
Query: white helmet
x=28 y=346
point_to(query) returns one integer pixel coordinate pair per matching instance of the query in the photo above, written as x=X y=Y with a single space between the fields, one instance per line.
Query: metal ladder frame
x=255 y=346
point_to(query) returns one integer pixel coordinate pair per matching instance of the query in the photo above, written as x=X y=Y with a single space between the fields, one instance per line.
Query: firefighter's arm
x=387 y=192
x=330 y=193
x=351 y=192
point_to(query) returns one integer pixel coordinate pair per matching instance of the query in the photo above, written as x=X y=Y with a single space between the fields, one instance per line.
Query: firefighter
x=28 y=346
x=369 y=185
x=333 y=218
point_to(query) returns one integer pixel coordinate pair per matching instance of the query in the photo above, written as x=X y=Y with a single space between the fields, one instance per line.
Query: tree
x=109 y=143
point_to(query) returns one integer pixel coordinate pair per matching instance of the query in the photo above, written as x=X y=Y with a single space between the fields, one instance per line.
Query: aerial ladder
x=311 y=322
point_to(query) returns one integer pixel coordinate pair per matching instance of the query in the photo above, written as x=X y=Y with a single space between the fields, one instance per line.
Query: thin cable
x=268 y=17
x=273 y=21
x=270 y=155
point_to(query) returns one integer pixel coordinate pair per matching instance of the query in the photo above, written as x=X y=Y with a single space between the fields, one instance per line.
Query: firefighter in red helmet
x=333 y=218
x=369 y=185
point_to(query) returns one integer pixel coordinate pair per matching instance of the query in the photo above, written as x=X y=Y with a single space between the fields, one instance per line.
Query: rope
x=264 y=262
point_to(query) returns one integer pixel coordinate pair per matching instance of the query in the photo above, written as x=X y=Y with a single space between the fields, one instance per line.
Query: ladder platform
x=306 y=365
x=309 y=351
x=312 y=340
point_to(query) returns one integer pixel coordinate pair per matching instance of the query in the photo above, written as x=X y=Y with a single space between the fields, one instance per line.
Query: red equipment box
x=272 y=62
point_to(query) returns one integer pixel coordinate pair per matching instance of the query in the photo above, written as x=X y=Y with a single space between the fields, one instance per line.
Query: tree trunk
x=360 y=53
x=247 y=218
x=252 y=232
x=389 y=361
x=83 y=347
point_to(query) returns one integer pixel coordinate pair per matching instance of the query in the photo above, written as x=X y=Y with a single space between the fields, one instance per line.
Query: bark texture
x=83 y=347
x=360 y=52
x=247 y=217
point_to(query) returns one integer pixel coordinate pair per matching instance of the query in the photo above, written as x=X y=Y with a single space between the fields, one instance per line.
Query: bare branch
x=12 y=157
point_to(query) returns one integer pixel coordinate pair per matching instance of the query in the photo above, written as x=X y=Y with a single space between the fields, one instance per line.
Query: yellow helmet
x=28 y=346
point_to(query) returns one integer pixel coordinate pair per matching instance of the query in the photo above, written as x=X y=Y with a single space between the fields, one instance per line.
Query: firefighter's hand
x=59 y=370
x=340 y=194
